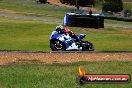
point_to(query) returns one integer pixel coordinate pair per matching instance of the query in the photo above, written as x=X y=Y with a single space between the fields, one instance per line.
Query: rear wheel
x=57 y=45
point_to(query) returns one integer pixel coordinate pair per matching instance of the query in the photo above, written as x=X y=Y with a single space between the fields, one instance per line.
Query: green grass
x=38 y=75
x=30 y=7
x=117 y=22
x=34 y=35
x=25 y=35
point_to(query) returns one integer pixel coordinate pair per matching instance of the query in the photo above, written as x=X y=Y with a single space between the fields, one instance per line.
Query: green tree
x=42 y=1
x=78 y=3
x=113 y=5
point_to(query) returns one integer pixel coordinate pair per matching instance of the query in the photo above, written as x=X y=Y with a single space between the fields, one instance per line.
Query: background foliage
x=113 y=5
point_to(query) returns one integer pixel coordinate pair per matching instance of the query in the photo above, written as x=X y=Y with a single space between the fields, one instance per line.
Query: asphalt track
x=16 y=16
x=29 y=51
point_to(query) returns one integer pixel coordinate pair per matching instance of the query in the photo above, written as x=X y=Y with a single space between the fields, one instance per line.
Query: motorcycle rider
x=60 y=29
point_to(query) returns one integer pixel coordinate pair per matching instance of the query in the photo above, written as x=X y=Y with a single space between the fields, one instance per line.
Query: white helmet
x=60 y=26
x=60 y=29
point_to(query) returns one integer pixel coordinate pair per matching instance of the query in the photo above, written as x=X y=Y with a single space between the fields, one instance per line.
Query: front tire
x=87 y=46
x=57 y=45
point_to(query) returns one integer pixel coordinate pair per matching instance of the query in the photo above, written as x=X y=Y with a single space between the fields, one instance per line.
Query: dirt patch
x=10 y=57
x=55 y=1
x=6 y=11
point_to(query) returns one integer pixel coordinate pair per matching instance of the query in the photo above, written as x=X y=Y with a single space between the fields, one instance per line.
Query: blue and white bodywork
x=64 y=42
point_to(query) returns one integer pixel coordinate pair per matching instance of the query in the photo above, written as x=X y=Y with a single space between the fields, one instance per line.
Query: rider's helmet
x=60 y=29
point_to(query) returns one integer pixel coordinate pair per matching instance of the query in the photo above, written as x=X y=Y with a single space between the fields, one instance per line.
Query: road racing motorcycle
x=64 y=42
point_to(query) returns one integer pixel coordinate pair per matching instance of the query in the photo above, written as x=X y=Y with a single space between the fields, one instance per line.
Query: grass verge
x=24 y=34
x=38 y=75
x=117 y=22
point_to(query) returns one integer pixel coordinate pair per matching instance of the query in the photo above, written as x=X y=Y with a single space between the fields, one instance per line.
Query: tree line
x=108 y=5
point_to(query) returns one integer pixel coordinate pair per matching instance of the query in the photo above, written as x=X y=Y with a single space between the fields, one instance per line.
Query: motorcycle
x=64 y=42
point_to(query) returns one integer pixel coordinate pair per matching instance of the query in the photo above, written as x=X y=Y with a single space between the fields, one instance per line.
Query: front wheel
x=57 y=45
x=87 y=46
